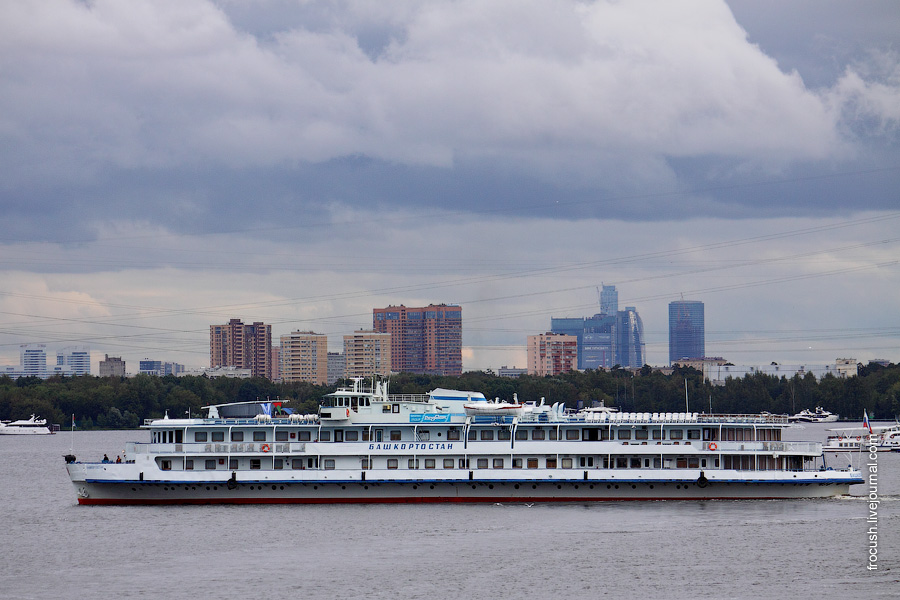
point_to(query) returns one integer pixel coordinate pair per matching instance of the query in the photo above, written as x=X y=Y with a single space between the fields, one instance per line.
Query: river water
x=50 y=547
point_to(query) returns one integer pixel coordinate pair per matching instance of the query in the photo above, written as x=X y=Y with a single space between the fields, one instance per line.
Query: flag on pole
x=866 y=422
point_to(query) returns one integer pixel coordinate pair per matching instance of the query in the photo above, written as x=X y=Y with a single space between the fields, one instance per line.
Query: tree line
x=123 y=403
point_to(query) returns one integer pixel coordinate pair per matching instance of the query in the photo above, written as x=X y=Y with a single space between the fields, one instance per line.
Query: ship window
x=693 y=434
x=303 y=436
x=538 y=434
x=218 y=436
x=621 y=462
x=312 y=463
x=453 y=434
x=211 y=464
x=351 y=436
x=339 y=435
x=635 y=463
x=641 y=434
x=554 y=434
x=464 y=463
x=521 y=434
x=281 y=436
x=424 y=436
x=482 y=463
x=551 y=463
x=656 y=463
x=657 y=434
x=365 y=464
x=503 y=434
x=448 y=463
x=259 y=436
x=255 y=464
x=386 y=408
x=200 y=436
x=517 y=463
x=237 y=436
x=498 y=463
x=624 y=434
x=429 y=463
x=189 y=465
x=567 y=463
x=413 y=463
x=395 y=435
x=392 y=463
x=329 y=464
x=472 y=434
x=676 y=434
x=532 y=463
x=279 y=463
x=604 y=434
x=395 y=408
x=487 y=434
x=681 y=463
x=572 y=434
x=233 y=464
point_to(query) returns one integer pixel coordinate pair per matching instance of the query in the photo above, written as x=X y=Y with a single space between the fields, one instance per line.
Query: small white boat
x=31 y=426
x=817 y=416
x=852 y=439
x=495 y=408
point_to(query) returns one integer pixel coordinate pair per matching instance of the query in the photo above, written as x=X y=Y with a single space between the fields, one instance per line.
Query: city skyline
x=301 y=163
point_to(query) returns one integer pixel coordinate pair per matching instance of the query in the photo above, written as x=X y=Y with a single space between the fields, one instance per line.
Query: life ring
x=265 y=448
x=348 y=413
x=712 y=446
x=858 y=438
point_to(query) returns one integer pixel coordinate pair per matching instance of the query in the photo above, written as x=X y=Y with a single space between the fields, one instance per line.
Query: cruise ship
x=368 y=446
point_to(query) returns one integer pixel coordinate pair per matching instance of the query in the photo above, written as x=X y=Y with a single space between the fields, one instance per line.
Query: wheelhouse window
x=200 y=436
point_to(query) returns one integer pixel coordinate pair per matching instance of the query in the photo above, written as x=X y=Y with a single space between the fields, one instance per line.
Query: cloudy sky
x=170 y=164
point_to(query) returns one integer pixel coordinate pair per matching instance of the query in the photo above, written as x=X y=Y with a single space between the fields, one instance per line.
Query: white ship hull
x=578 y=486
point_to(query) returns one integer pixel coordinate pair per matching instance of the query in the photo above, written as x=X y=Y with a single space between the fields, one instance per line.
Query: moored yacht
x=30 y=426
x=365 y=445
x=819 y=415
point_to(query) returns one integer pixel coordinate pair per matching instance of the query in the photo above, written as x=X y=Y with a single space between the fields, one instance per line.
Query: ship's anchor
x=232 y=483
x=702 y=481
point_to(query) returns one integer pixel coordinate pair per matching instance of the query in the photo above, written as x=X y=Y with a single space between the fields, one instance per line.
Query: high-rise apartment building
x=552 y=353
x=33 y=358
x=367 y=353
x=336 y=367
x=687 y=335
x=243 y=346
x=423 y=340
x=304 y=357
x=78 y=358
